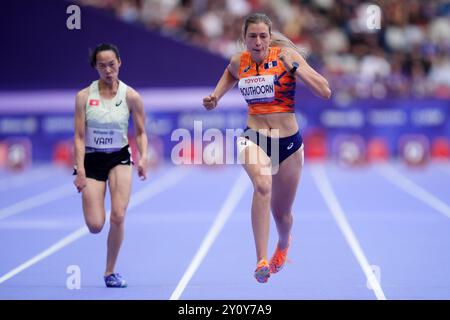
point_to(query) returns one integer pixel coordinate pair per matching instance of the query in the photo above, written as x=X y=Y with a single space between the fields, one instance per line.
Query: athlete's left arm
x=317 y=83
x=136 y=106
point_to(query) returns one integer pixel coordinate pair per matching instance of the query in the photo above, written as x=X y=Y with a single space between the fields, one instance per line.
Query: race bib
x=104 y=138
x=257 y=89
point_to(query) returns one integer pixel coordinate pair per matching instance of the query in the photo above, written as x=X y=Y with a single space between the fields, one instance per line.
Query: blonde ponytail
x=280 y=40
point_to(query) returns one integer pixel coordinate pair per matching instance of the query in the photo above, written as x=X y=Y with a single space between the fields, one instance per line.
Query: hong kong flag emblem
x=94 y=102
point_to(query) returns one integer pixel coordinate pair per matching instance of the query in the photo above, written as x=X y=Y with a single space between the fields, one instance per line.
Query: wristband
x=294 y=67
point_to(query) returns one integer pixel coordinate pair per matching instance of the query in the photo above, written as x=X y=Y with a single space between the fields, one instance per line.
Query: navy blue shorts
x=287 y=145
x=98 y=164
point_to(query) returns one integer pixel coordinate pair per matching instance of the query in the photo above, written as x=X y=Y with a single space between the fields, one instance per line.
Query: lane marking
x=325 y=188
x=62 y=191
x=415 y=190
x=162 y=184
x=237 y=191
x=25 y=178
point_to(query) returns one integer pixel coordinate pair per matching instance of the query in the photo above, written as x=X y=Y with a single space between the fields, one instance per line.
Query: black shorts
x=287 y=145
x=98 y=164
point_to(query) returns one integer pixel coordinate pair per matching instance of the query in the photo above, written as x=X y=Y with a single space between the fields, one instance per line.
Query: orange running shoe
x=262 y=272
x=279 y=258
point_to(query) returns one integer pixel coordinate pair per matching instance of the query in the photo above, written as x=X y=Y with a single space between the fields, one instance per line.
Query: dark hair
x=102 y=47
x=256 y=18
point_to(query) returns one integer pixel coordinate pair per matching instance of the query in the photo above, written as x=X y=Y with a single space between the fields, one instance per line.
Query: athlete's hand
x=210 y=102
x=142 y=168
x=80 y=181
x=286 y=58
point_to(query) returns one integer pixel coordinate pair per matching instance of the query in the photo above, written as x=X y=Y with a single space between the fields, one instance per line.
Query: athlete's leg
x=284 y=188
x=120 y=189
x=94 y=204
x=259 y=173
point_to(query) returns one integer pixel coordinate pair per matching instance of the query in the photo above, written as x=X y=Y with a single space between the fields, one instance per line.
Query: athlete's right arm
x=228 y=80
x=80 y=127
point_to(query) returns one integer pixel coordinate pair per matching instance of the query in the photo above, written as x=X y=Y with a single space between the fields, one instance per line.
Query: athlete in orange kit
x=267 y=73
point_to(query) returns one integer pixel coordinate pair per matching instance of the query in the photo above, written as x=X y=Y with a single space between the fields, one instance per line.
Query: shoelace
x=114 y=277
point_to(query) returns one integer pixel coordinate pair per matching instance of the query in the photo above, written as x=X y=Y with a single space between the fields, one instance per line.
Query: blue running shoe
x=262 y=272
x=115 y=280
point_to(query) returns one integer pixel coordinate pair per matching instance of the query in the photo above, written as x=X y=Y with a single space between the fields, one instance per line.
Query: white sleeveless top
x=106 y=120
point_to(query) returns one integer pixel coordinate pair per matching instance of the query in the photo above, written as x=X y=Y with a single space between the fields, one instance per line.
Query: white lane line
x=25 y=178
x=415 y=190
x=237 y=191
x=163 y=183
x=40 y=199
x=44 y=254
x=328 y=194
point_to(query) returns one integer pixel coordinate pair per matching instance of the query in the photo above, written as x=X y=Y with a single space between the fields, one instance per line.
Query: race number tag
x=257 y=89
x=103 y=138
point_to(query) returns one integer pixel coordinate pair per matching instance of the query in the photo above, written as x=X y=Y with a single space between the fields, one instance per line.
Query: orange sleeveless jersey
x=262 y=95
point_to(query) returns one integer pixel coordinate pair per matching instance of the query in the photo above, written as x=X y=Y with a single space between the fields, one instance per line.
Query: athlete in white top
x=102 y=154
x=106 y=120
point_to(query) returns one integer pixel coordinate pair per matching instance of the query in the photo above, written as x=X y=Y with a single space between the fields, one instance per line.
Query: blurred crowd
x=407 y=54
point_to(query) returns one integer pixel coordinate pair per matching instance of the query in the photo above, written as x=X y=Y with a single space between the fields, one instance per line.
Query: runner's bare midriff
x=285 y=122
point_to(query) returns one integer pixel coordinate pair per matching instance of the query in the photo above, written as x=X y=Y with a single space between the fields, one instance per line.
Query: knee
x=263 y=185
x=117 y=217
x=95 y=227
x=282 y=216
